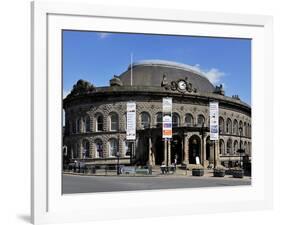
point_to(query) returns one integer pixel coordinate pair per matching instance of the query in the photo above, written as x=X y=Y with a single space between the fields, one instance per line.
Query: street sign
x=131 y=121
x=214 y=121
x=167 y=118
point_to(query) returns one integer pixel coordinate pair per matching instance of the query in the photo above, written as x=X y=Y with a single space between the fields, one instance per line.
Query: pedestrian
x=175 y=161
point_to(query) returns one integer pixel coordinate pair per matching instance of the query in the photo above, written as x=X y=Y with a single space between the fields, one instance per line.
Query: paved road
x=87 y=184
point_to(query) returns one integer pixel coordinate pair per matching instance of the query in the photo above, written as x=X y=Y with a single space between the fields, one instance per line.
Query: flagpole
x=131 y=69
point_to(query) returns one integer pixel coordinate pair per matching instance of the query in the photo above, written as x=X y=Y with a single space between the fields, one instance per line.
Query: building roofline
x=170 y=64
x=153 y=91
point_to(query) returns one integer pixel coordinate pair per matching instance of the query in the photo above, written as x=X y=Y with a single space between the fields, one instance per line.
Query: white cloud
x=103 y=35
x=214 y=75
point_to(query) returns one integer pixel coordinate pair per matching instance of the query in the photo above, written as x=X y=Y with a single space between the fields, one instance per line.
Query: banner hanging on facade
x=131 y=121
x=167 y=118
x=214 y=121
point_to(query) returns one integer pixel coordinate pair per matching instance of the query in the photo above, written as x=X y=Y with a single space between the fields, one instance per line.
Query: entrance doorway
x=159 y=150
x=176 y=149
x=194 y=148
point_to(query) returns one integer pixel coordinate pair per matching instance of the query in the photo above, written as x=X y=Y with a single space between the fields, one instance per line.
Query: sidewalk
x=156 y=172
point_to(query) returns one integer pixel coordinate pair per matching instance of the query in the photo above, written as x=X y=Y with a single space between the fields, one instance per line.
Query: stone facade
x=95 y=126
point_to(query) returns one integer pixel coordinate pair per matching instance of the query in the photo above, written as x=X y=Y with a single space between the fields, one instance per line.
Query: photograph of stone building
x=95 y=127
x=95 y=108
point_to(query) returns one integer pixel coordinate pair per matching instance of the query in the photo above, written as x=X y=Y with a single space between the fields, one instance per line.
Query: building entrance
x=176 y=149
x=159 y=151
x=194 y=148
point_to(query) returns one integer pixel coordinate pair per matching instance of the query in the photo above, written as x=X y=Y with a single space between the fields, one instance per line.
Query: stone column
x=153 y=151
x=80 y=150
x=165 y=152
x=217 y=153
x=182 y=151
x=185 y=149
x=211 y=160
x=203 y=156
x=120 y=147
x=92 y=123
x=169 y=152
x=214 y=147
x=81 y=125
x=149 y=151
x=92 y=150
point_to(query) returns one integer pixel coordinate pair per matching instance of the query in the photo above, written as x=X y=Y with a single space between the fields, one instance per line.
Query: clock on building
x=182 y=85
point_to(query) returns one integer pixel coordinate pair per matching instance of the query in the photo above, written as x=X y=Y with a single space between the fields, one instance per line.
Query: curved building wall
x=82 y=126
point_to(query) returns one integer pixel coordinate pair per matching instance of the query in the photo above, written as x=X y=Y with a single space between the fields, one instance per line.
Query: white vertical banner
x=214 y=121
x=131 y=121
x=167 y=118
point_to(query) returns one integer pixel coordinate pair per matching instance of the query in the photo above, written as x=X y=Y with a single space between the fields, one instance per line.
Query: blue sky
x=96 y=57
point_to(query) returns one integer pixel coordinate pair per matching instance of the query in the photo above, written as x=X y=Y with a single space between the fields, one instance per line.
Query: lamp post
x=240 y=150
x=118 y=156
x=202 y=147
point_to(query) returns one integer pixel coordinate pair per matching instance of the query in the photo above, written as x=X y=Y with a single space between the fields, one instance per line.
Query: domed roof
x=151 y=72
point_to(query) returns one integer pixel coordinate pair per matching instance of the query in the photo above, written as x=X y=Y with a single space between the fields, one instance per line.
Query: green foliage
x=82 y=87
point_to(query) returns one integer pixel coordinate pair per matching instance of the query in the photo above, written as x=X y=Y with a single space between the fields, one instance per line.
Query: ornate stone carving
x=181 y=85
x=164 y=82
x=115 y=81
x=236 y=97
x=219 y=90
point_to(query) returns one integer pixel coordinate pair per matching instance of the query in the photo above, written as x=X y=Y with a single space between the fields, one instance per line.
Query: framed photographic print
x=146 y=110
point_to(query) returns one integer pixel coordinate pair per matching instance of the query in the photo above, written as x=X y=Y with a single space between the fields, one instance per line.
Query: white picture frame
x=48 y=205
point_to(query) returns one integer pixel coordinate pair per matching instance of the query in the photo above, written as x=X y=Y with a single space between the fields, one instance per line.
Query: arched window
x=159 y=119
x=78 y=150
x=221 y=125
x=228 y=126
x=222 y=147
x=99 y=122
x=189 y=120
x=82 y=125
x=113 y=122
x=87 y=124
x=235 y=127
x=128 y=147
x=241 y=145
x=200 y=120
x=98 y=148
x=235 y=147
x=113 y=147
x=145 y=120
x=245 y=129
x=245 y=147
x=176 y=120
x=78 y=125
x=229 y=146
x=240 y=128
x=75 y=151
x=73 y=127
x=86 y=149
